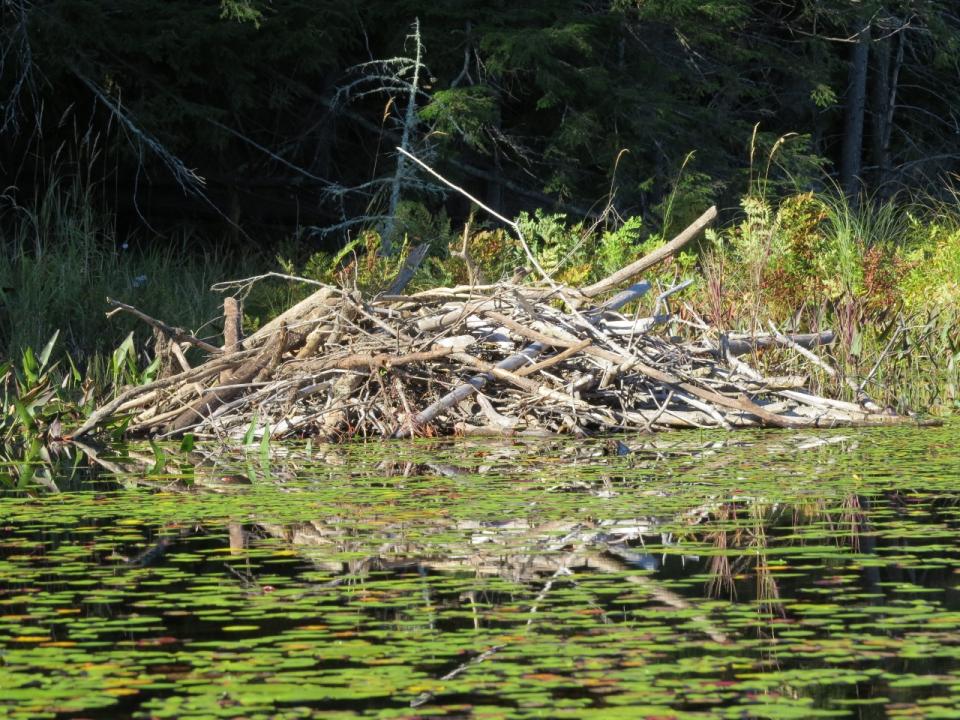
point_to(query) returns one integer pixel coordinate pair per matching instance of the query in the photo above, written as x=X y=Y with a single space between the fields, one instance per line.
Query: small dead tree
x=400 y=79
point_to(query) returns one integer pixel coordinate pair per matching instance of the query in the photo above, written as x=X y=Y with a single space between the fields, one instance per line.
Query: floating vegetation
x=781 y=575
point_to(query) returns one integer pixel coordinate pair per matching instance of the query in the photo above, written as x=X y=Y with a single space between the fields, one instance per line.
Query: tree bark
x=879 y=99
x=852 y=152
x=891 y=106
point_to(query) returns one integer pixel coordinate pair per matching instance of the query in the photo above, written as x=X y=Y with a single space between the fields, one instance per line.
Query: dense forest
x=272 y=119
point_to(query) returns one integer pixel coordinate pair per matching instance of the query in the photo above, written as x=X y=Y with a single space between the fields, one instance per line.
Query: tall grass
x=62 y=257
x=884 y=275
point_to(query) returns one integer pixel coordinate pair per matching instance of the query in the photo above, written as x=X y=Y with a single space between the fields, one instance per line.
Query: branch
x=662 y=253
x=175 y=333
x=409 y=269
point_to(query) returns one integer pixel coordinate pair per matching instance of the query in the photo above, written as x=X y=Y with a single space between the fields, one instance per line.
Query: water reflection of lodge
x=727 y=540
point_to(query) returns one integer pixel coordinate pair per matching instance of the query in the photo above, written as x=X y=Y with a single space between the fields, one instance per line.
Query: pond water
x=769 y=574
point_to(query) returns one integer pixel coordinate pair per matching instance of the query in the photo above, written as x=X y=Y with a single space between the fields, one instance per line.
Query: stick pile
x=504 y=358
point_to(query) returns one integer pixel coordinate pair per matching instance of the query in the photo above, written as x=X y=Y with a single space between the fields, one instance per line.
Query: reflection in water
x=773 y=575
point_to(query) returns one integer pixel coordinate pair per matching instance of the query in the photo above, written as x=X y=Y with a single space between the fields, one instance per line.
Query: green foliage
x=124 y=369
x=417 y=224
x=29 y=392
x=617 y=248
x=810 y=249
x=43 y=398
x=34 y=405
x=933 y=256
x=692 y=192
x=823 y=96
x=882 y=278
x=464 y=113
x=851 y=231
x=576 y=255
x=357 y=265
x=241 y=11
x=62 y=258
x=559 y=249
x=494 y=252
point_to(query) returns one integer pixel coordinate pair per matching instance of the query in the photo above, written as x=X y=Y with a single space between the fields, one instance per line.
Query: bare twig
x=174 y=333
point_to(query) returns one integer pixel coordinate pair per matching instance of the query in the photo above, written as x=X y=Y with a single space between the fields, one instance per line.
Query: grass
x=62 y=258
x=882 y=275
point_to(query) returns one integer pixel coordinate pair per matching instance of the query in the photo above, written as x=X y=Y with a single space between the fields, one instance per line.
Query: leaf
x=29 y=365
x=159 y=458
x=118 y=361
x=47 y=349
x=251 y=431
x=150 y=372
x=74 y=372
x=856 y=345
x=347 y=249
x=26 y=417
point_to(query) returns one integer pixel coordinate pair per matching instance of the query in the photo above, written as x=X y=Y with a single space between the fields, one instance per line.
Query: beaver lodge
x=515 y=357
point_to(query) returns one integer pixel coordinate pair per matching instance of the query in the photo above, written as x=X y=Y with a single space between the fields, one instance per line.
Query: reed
x=62 y=257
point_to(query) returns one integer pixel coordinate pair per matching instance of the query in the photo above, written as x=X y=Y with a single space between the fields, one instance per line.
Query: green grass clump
x=61 y=259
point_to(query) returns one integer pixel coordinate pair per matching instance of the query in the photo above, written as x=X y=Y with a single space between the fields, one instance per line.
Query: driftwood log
x=496 y=358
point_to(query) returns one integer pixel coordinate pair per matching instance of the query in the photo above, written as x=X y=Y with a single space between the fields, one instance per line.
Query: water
x=774 y=575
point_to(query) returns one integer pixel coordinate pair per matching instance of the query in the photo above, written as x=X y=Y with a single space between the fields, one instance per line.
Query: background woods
x=273 y=117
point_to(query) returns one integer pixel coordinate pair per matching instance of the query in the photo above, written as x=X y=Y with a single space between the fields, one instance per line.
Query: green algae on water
x=774 y=574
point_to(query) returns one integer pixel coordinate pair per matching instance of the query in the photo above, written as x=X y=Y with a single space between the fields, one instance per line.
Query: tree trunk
x=879 y=97
x=885 y=76
x=852 y=152
x=387 y=244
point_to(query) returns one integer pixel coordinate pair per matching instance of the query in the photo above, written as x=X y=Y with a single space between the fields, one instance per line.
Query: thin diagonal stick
x=513 y=226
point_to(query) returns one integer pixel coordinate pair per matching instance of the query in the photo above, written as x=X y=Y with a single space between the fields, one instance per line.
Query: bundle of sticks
x=505 y=358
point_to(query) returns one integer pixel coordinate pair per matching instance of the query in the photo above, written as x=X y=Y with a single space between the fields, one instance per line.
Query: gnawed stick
x=528 y=333
x=177 y=334
x=452 y=317
x=554 y=359
x=366 y=361
x=231 y=329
